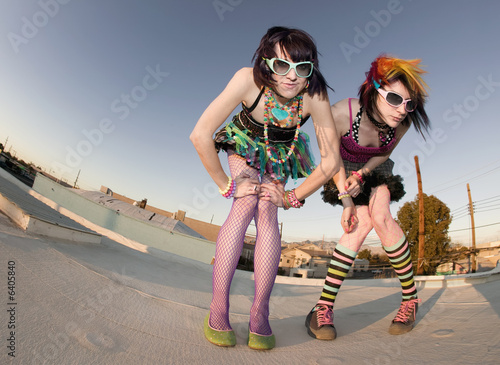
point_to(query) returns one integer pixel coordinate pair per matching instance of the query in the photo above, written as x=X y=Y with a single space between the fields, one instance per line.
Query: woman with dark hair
x=265 y=147
x=391 y=99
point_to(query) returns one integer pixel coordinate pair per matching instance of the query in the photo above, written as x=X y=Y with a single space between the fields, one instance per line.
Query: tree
x=437 y=219
x=365 y=254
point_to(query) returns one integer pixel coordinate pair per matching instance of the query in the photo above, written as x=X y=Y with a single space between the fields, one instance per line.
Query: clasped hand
x=247 y=185
x=353 y=186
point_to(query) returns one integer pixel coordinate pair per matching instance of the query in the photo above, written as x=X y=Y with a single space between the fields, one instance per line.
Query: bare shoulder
x=316 y=104
x=244 y=73
x=341 y=114
x=241 y=86
x=341 y=108
x=243 y=77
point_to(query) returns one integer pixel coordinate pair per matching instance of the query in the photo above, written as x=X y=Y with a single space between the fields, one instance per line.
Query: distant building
x=450 y=268
x=359 y=265
x=307 y=261
x=489 y=251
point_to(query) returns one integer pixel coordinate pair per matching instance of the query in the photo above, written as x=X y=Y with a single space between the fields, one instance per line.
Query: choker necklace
x=377 y=124
x=284 y=112
x=383 y=136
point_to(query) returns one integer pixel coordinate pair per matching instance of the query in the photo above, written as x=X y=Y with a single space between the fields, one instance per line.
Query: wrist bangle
x=230 y=188
x=290 y=200
x=358 y=175
x=286 y=204
x=343 y=195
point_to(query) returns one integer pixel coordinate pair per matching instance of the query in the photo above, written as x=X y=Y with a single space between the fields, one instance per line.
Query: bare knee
x=382 y=221
x=267 y=209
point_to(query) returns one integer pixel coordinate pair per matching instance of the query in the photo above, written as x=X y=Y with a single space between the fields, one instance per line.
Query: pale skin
x=368 y=137
x=243 y=89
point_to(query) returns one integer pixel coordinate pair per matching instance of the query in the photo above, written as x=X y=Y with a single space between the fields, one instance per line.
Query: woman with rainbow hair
x=391 y=99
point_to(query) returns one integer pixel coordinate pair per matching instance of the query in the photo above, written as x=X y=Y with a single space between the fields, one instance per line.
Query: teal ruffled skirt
x=245 y=138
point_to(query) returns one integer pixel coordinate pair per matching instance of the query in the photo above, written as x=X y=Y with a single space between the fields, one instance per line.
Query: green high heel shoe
x=260 y=342
x=219 y=338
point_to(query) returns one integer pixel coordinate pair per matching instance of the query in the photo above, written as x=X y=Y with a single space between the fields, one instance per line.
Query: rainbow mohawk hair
x=385 y=70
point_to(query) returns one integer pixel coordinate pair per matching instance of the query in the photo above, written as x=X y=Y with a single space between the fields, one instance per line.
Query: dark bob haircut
x=299 y=45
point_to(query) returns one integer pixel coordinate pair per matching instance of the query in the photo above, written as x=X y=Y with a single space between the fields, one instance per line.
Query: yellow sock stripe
x=407 y=283
x=329 y=296
x=404 y=263
x=337 y=272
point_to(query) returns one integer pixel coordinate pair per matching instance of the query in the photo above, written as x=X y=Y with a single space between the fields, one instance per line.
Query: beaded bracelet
x=230 y=188
x=358 y=175
x=290 y=200
x=343 y=195
x=293 y=199
x=286 y=201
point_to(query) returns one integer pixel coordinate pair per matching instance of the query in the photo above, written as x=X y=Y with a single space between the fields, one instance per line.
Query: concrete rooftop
x=109 y=303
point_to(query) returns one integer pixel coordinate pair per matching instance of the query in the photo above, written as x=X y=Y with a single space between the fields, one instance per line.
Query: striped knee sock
x=340 y=264
x=400 y=258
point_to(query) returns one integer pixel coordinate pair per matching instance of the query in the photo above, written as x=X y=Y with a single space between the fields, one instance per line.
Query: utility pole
x=473 y=251
x=74 y=185
x=421 y=222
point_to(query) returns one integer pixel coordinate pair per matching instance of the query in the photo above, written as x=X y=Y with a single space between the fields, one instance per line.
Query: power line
x=467 y=175
x=493 y=197
x=468 y=229
x=460 y=210
x=484 y=203
x=487 y=210
x=461 y=216
x=470 y=179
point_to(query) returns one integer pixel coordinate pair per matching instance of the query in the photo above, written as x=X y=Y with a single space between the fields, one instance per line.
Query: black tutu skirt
x=382 y=175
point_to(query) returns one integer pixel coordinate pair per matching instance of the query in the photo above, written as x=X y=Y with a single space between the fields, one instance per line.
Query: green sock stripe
x=340 y=264
x=396 y=246
x=406 y=276
x=346 y=251
x=403 y=264
x=403 y=257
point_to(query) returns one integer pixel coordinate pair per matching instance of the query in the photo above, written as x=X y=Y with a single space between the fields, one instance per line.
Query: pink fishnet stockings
x=228 y=251
x=376 y=215
x=266 y=261
x=355 y=239
x=386 y=227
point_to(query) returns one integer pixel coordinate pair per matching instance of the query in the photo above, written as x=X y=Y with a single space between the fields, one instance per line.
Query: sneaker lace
x=324 y=315
x=406 y=310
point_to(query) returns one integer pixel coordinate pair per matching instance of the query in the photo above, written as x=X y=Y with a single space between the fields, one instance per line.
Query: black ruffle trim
x=394 y=184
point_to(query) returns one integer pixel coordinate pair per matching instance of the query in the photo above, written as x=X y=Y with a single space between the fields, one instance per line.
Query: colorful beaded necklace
x=283 y=112
x=267 y=118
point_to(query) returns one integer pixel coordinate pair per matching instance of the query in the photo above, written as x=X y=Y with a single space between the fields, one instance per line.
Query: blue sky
x=112 y=89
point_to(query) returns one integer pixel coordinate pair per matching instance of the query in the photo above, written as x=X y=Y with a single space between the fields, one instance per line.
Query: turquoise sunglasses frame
x=291 y=65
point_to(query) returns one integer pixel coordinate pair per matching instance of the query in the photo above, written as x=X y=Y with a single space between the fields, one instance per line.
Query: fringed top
x=245 y=137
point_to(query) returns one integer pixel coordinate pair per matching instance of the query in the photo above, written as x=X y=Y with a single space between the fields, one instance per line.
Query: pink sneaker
x=319 y=323
x=405 y=319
